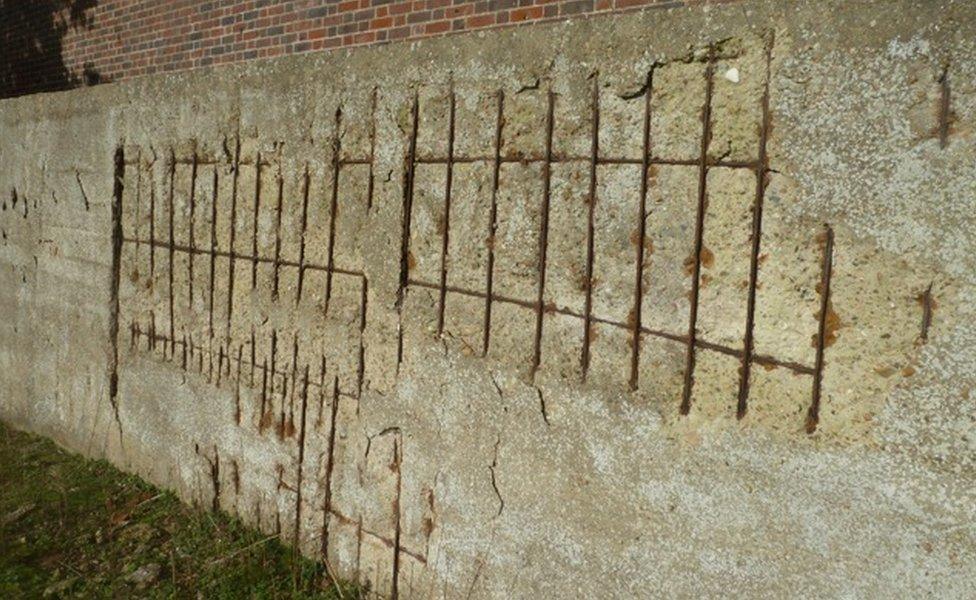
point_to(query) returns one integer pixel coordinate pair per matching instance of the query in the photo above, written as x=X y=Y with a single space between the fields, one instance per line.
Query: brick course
x=111 y=40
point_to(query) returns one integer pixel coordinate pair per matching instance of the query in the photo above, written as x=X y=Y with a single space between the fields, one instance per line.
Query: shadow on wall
x=31 y=34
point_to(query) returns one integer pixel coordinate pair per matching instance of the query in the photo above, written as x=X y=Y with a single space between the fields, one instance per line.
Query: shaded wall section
x=32 y=34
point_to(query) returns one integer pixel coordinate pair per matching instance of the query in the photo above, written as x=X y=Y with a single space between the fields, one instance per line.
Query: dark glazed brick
x=576 y=7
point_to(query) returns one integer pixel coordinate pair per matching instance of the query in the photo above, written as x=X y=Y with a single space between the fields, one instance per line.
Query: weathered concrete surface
x=312 y=351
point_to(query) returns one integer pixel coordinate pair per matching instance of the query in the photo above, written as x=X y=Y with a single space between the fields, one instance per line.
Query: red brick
x=364 y=38
x=459 y=11
x=526 y=14
x=133 y=38
x=401 y=8
x=480 y=21
x=438 y=27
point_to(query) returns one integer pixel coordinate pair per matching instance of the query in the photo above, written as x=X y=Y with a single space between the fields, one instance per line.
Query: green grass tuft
x=77 y=528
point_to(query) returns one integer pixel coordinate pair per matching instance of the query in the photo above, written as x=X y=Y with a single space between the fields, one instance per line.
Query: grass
x=77 y=528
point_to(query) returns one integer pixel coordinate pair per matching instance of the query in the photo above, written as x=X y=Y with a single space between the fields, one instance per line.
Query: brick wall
x=58 y=44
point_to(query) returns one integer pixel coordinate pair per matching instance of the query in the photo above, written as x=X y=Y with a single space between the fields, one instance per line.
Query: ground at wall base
x=77 y=528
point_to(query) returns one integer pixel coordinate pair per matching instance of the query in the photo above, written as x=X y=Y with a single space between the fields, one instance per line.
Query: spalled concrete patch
x=421 y=313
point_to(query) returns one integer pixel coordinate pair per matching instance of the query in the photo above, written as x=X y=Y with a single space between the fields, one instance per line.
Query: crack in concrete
x=84 y=194
x=945 y=107
x=494 y=479
x=214 y=467
x=118 y=187
x=542 y=406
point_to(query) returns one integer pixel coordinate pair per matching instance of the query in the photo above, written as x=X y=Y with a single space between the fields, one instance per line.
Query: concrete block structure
x=669 y=302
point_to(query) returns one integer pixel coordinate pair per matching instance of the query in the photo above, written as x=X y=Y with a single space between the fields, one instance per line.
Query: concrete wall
x=416 y=308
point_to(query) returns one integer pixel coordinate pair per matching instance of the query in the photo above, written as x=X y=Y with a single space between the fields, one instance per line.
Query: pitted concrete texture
x=673 y=303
